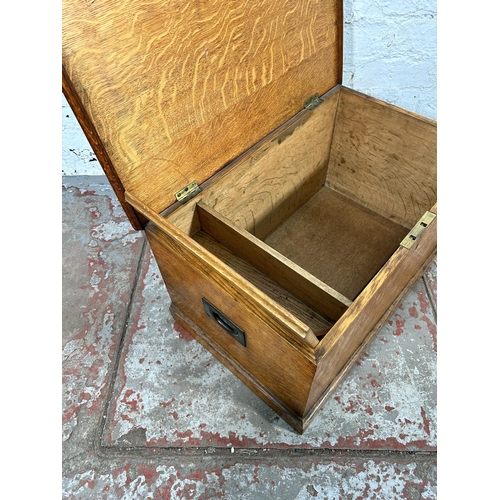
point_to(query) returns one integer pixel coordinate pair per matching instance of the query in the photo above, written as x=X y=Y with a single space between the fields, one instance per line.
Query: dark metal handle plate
x=224 y=322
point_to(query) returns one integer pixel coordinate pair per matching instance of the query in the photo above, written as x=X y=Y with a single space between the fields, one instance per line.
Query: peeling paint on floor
x=178 y=394
x=98 y=272
x=336 y=480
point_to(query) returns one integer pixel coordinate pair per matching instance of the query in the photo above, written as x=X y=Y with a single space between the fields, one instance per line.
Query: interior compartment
x=312 y=213
x=338 y=241
x=315 y=262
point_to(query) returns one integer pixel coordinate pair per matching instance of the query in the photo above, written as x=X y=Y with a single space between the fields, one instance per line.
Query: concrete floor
x=148 y=413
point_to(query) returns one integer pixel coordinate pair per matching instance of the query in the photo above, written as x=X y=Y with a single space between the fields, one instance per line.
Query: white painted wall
x=389 y=53
x=77 y=155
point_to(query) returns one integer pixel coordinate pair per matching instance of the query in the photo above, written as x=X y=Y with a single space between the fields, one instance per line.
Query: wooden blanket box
x=289 y=215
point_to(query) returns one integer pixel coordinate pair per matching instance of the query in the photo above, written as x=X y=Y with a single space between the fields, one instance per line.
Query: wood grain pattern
x=301 y=284
x=261 y=189
x=338 y=241
x=176 y=90
x=259 y=304
x=384 y=158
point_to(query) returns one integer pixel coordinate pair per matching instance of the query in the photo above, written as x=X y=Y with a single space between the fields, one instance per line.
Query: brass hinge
x=312 y=102
x=188 y=192
x=418 y=229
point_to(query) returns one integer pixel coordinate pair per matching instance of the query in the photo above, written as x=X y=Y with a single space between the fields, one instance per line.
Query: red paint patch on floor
x=131 y=403
x=165 y=404
x=90 y=483
x=182 y=333
x=164 y=492
x=365 y=443
x=149 y=473
x=117 y=472
x=68 y=413
x=351 y=407
x=214 y=439
x=423 y=300
x=83 y=192
x=255 y=479
x=186 y=434
x=400 y=325
x=432 y=330
x=426 y=421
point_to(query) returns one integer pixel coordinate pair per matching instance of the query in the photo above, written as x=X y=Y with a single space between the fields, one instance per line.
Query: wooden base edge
x=289 y=415
x=316 y=407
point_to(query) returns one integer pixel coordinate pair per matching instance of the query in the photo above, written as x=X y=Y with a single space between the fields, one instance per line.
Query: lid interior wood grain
x=176 y=90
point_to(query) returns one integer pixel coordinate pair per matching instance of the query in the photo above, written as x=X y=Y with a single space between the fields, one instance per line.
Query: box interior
x=337 y=240
x=314 y=243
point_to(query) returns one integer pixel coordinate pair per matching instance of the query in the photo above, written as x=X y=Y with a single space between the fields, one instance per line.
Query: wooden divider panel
x=297 y=281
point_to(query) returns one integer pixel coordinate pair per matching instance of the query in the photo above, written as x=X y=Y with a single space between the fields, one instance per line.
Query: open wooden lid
x=175 y=90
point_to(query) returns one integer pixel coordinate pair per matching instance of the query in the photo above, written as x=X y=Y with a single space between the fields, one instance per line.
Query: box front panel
x=277 y=364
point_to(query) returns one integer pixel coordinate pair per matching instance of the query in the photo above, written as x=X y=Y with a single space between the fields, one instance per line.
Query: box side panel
x=276 y=363
x=384 y=158
x=177 y=90
x=339 y=350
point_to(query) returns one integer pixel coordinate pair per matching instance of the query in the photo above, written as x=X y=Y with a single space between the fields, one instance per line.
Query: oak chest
x=288 y=215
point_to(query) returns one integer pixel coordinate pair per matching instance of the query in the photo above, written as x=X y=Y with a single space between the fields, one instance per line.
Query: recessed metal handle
x=224 y=322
